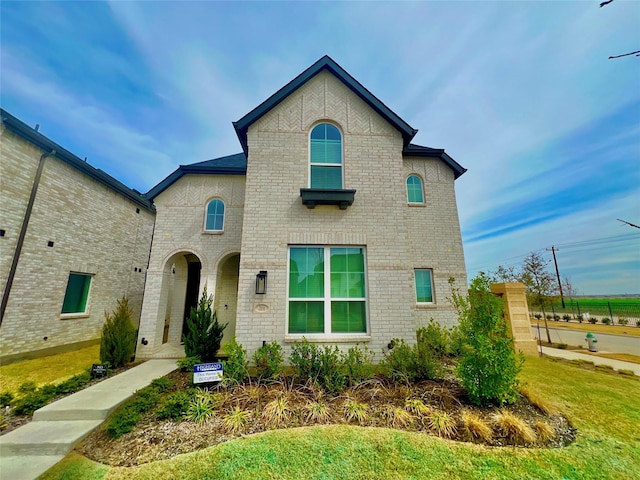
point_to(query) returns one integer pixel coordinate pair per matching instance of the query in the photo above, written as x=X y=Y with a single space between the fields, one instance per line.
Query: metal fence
x=618 y=313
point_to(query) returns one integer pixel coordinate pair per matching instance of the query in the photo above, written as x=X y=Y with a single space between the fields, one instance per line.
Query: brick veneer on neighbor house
x=266 y=217
x=82 y=221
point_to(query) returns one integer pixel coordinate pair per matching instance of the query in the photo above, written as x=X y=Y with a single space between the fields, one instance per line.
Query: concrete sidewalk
x=31 y=450
x=573 y=355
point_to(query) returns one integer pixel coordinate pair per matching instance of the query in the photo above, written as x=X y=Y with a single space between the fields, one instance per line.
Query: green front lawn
x=604 y=407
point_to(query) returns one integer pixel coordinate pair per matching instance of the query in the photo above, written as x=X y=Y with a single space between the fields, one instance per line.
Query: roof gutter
x=23 y=233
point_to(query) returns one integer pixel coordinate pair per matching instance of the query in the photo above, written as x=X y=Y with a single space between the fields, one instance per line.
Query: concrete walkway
x=573 y=355
x=29 y=451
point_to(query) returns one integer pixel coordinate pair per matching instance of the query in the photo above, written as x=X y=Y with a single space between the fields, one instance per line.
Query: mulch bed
x=154 y=439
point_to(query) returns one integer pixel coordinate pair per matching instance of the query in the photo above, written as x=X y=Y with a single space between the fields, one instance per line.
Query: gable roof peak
x=324 y=63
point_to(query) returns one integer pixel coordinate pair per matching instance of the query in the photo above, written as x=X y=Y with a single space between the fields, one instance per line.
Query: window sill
x=416 y=205
x=425 y=306
x=213 y=232
x=73 y=316
x=321 y=196
x=322 y=338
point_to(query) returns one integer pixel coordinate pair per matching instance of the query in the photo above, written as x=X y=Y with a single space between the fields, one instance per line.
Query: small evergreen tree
x=204 y=333
x=118 y=342
x=489 y=366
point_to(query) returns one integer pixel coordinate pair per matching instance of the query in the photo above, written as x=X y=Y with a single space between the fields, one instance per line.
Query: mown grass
x=602 y=406
x=51 y=369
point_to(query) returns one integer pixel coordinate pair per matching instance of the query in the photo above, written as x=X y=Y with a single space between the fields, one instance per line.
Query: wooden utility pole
x=555 y=262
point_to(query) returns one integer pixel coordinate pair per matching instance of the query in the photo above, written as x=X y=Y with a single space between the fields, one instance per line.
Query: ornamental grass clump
x=475 y=428
x=118 y=342
x=514 y=428
x=488 y=367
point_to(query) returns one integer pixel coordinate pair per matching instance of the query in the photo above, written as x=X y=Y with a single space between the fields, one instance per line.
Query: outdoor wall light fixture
x=261 y=282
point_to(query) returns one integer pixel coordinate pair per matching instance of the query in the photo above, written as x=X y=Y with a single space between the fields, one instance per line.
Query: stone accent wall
x=397 y=237
x=179 y=230
x=93 y=229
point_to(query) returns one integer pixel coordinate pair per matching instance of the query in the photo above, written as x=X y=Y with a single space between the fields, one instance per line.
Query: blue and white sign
x=207 y=372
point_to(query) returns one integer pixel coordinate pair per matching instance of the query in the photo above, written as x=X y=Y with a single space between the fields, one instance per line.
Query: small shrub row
x=128 y=415
x=34 y=398
x=330 y=368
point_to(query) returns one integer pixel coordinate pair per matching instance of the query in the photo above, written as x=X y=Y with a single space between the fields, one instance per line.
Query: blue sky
x=520 y=93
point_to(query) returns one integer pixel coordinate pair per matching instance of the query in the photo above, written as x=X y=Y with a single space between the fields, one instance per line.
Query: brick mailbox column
x=517 y=315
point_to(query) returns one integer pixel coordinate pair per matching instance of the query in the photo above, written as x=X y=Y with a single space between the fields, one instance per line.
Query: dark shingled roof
x=325 y=63
x=229 y=165
x=413 y=150
x=26 y=132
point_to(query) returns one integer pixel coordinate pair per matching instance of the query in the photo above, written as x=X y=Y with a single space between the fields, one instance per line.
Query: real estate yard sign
x=207 y=372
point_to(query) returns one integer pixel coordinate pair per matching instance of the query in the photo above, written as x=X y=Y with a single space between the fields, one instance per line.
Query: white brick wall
x=398 y=238
x=94 y=230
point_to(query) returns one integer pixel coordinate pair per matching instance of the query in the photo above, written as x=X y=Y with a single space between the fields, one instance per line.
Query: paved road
x=606 y=343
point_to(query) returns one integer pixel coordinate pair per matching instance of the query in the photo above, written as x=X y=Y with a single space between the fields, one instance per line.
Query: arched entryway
x=181 y=287
x=226 y=295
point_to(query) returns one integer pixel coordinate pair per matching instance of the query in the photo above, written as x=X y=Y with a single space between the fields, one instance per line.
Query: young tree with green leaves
x=489 y=366
x=541 y=284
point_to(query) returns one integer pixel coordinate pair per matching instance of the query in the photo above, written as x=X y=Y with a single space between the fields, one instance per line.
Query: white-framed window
x=325 y=157
x=214 y=218
x=76 y=296
x=327 y=290
x=424 y=285
x=415 y=192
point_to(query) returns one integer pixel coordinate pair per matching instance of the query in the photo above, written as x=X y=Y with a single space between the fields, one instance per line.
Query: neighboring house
x=330 y=225
x=73 y=240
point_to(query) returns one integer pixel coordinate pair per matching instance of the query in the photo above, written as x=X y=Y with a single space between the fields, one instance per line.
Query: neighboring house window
x=77 y=293
x=215 y=216
x=414 y=189
x=325 y=157
x=424 y=285
x=327 y=290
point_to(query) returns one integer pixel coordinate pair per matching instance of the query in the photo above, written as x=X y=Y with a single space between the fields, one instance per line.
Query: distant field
x=618 y=307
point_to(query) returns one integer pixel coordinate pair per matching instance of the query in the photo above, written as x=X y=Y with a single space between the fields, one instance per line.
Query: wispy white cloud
x=520 y=93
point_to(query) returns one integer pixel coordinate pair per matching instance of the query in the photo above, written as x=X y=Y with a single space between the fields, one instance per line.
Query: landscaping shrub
x=332 y=376
x=186 y=364
x=73 y=384
x=323 y=366
x=400 y=363
x=32 y=402
x=235 y=367
x=556 y=317
x=538 y=316
x=593 y=320
x=162 y=384
x=423 y=361
x=359 y=364
x=174 y=406
x=566 y=317
x=204 y=333
x=623 y=321
x=118 y=342
x=6 y=398
x=27 y=387
x=268 y=360
x=436 y=337
x=606 y=320
x=580 y=318
x=129 y=413
x=122 y=421
x=489 y=367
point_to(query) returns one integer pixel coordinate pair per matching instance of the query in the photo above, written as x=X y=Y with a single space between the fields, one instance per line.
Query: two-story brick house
x=330 y=225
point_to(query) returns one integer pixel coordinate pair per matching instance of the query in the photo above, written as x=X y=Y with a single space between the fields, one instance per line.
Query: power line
x=594 y=243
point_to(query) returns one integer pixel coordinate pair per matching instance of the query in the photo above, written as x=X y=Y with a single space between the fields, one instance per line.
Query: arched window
x=414 y=189
x=215 y=216
x=325 y=157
